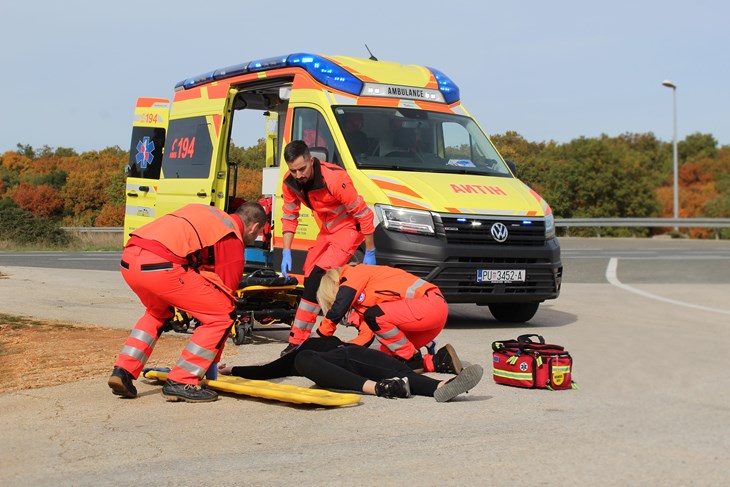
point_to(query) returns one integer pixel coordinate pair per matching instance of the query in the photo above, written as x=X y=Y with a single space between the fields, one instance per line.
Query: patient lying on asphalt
x=332 y=364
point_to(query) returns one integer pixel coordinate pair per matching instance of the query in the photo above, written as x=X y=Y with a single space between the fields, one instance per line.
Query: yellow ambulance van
x=448 y=207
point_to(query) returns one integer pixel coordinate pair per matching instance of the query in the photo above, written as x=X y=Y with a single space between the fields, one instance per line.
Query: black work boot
x=289 y=348
x=415 y=362
x=392 y=388
x=446 y=361
x=121 y=383
x=177 y=391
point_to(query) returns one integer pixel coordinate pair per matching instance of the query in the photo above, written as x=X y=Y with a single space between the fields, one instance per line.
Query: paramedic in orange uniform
x=191 y=259
x=344 y=222
x=402 y=310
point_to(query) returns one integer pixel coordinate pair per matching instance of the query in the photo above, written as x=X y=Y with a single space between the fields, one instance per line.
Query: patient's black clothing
x=330 y=363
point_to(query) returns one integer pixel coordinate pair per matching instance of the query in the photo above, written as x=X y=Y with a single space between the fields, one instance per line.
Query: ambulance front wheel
x=513 y=312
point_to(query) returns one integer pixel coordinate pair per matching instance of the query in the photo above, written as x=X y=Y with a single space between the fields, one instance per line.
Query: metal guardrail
x=560 y=222
x=644 y=222
x=94 y=229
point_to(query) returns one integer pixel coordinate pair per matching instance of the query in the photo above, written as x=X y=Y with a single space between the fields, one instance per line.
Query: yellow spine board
x=270 y=390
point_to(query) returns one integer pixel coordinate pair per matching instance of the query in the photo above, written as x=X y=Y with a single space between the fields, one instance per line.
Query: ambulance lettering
x=477 y=189
x=182 y=147
x=409 y=92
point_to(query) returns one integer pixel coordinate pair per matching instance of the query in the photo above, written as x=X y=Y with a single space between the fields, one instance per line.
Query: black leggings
x=332 y=364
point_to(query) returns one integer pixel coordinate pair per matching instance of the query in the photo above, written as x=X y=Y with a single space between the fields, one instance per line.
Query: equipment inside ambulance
x=448 y=208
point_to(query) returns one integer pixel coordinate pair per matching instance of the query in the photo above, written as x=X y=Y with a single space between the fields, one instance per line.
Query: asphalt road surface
x=646 y=321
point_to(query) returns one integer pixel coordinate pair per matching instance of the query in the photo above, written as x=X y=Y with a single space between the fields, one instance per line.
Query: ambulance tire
x=513 y=312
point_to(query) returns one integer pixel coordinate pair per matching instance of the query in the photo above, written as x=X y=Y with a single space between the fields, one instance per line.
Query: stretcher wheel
x=242 y=330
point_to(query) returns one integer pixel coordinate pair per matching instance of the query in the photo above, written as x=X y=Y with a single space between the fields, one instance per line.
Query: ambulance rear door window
x=189 y=149
x=145 y=153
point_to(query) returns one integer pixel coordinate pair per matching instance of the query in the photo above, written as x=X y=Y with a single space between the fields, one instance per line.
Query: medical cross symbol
x=144 y=152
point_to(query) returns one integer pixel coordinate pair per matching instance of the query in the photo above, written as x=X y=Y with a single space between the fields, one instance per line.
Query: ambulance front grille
x=475 y=230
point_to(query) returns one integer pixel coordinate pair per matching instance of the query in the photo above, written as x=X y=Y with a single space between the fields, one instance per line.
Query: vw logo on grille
x=499 y=232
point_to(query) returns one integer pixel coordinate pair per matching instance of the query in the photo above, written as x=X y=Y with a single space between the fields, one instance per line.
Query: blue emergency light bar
x=323 y=70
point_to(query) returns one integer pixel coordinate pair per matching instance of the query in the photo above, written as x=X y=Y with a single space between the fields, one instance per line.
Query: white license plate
x=501 y=275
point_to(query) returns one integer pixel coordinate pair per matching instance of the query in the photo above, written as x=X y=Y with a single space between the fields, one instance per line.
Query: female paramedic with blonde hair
x=403 y=311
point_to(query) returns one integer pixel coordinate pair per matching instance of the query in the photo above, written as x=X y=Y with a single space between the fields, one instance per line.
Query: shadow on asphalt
x=468 y=316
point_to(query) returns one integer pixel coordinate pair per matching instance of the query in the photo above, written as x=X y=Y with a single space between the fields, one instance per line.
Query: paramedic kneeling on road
x=191 y=259
x=344 y=222
x=402 y=310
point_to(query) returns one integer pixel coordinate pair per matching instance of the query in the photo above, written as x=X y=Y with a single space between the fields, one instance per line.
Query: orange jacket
x=194 y=228
x=363 y=286
x=332 y=197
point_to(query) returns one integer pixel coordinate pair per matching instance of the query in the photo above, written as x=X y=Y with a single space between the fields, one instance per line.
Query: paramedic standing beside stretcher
x=191 y=259
x=344 y=222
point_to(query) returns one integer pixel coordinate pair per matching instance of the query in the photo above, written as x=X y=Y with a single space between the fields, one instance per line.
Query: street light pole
x=671 y=85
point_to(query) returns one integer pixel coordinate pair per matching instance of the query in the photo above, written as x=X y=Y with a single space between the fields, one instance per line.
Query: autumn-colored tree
x=16 y=162
x=110 y=216
x=42 y=201
x=249 y=184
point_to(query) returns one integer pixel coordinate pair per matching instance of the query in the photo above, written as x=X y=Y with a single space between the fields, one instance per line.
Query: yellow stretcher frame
x=269 y=390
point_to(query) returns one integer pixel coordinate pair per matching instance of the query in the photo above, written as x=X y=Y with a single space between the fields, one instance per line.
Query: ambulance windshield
x=406 y=139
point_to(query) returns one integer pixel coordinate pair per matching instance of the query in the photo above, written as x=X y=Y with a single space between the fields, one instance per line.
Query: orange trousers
x=406 y=325
x=329 y=250
x=162 y=289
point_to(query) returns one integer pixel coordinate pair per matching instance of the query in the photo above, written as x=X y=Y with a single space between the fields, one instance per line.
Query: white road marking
x=611 y=277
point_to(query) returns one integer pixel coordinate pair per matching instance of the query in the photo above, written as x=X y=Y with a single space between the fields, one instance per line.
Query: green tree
x=695 y=146
x=592 y=178
x=253 y=157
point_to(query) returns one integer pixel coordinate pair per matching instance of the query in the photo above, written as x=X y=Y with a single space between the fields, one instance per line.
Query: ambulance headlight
x=405 y=220
x=549 y=226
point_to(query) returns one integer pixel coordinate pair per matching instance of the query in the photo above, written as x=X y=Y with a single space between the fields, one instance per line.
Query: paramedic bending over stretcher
x=331 y=364
x=191 y=259
x=402 y=310
x=344 y=222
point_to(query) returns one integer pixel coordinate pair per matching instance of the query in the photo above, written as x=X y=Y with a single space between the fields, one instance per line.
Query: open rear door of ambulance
x=149 y=127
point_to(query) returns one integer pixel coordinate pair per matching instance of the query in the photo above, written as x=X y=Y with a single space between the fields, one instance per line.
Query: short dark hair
x=251 y=213
x=295 y=149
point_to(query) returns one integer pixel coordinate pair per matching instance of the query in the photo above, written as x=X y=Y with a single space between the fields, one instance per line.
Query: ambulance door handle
x=132 y=193
x=144 y=188
x=202 y=194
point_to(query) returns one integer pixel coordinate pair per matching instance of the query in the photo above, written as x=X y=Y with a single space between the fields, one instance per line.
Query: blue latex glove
x=285 y=262
x=369 y=258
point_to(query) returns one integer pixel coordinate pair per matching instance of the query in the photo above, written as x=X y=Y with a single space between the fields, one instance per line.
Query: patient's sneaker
x=467 y=379
x=177 y=391
x=446 y=361
x=121 y=383
x=392 y=388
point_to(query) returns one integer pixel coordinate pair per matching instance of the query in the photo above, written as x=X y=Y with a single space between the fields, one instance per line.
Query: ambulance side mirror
x=512 y=166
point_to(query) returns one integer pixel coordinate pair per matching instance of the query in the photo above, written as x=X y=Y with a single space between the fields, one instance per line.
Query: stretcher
x=265 y=299
x=267 y=390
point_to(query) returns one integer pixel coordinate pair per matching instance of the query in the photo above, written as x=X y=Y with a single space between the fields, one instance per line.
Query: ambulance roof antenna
x=372 y=58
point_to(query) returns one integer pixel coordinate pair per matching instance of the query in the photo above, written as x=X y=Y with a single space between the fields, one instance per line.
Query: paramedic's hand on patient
x=285 y=262
x=224 y=369
x=369 y=258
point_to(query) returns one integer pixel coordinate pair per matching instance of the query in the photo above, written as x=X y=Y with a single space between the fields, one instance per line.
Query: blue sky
x=72 y=70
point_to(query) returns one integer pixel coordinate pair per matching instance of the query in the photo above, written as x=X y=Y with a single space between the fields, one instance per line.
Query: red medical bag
x=532 y=364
